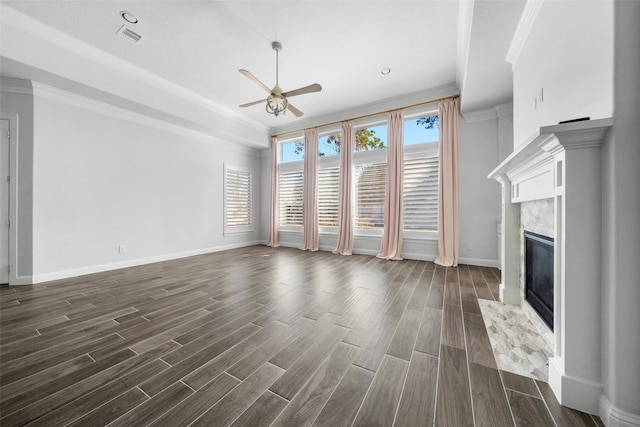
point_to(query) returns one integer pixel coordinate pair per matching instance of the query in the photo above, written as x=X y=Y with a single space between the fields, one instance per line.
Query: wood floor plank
x=490 y=405
x=453 y=407
x=36 y=362
x=380 y=404
x=417 y=406
x=186 y=366
x=155 y=407
x=342 y=407
x=419 y=297
x=298 y=373
x=404 y=338
x=469 y=300
x=308 y=402
x=48 y=387
x=262 y=412
x=212 y=335
x=377 y=342
x=478 y=343
x=520 y=383
x=75 y=408
x=452 y=326
x=271 y=333
x=230 y=407
x=436 y=296
x=53 y=374
x=113 y=409
x=528 y=411
x=188 y=410
x=428 y=339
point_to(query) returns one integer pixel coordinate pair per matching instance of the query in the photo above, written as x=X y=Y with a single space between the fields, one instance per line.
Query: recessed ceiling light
x=385 y=71
x=129 y=17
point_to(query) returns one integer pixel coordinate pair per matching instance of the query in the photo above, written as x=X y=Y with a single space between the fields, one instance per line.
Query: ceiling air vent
x=129 y=34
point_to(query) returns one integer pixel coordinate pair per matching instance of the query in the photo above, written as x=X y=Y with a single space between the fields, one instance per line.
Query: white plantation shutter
x=328 y=181
x=290 y=186
x=238 y=213
x=420 y=193
x=369 y=180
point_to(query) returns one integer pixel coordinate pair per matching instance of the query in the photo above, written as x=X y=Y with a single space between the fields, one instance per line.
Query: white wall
x=621 y=270
x=102 y=180
x=568 y=53
x=479 y=198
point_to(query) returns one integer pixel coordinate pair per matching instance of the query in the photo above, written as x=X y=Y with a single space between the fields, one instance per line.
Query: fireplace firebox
x=539 y=263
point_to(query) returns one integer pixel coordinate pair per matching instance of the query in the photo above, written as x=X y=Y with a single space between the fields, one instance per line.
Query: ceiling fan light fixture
x=277 y=105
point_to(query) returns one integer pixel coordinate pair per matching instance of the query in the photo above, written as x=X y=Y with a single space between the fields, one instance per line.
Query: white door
x=4 y=201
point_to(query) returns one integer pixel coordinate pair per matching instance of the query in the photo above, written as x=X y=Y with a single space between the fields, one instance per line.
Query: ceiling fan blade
x=307 y=89
x=294 y=110
x=249 y=104
x=255 y=80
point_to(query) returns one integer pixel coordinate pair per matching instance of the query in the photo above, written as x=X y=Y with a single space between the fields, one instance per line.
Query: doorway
x=5 y=135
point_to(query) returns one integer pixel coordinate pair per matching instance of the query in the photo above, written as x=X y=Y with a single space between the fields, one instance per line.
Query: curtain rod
x=370 y=115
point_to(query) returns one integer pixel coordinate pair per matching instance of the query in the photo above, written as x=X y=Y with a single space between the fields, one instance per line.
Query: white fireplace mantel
x=562 y=162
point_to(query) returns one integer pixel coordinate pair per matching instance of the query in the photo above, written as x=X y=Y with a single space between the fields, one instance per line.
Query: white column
x=574 y=370
x=510 y=245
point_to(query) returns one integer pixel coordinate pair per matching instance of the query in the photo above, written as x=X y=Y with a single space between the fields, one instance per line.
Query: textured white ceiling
x=343 y=45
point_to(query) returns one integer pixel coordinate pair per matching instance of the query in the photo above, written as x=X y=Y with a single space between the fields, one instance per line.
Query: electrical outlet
x=470 y=246
x=122 y=249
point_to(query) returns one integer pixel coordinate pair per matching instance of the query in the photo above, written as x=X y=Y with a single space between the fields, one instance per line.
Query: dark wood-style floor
x=261 y=336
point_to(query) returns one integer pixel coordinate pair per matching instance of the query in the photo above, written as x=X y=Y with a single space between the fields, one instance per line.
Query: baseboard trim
x=65 y=274
x=615 y=417
x=480 y=262
x=573 y=392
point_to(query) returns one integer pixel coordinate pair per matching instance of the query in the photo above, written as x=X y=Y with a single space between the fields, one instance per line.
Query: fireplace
x=538 y=255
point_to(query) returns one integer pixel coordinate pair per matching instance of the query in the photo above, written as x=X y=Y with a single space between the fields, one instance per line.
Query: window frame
x=247 y=228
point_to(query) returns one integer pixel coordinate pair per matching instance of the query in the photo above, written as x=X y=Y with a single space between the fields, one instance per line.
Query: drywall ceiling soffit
x=488 y=80
x=342 y=45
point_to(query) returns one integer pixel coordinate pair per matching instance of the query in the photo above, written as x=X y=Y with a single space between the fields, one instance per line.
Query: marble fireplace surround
x=563 y=163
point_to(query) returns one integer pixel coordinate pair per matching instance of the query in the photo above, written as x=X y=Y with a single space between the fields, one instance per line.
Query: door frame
x=13 y=199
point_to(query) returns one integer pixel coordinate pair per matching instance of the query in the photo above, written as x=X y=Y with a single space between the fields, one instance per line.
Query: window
x=421 y=169
x=420 y=184
x=420 y=193
x=369 y=195
x=238 y=200
x=292 y=151
x=369 y=177
x=290 y=184
x=328 y=182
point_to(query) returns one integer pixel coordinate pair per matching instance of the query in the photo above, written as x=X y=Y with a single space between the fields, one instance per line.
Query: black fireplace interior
x=539 y=274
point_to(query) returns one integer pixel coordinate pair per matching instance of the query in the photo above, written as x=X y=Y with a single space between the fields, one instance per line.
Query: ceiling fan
x=277 y=102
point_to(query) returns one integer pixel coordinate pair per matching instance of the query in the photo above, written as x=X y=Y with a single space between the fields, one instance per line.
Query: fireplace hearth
x=538 y=265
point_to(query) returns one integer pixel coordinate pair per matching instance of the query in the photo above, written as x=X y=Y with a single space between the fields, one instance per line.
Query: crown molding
x=22 y=22
x=505 y=109
x=529 y=16
x=19 y=86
